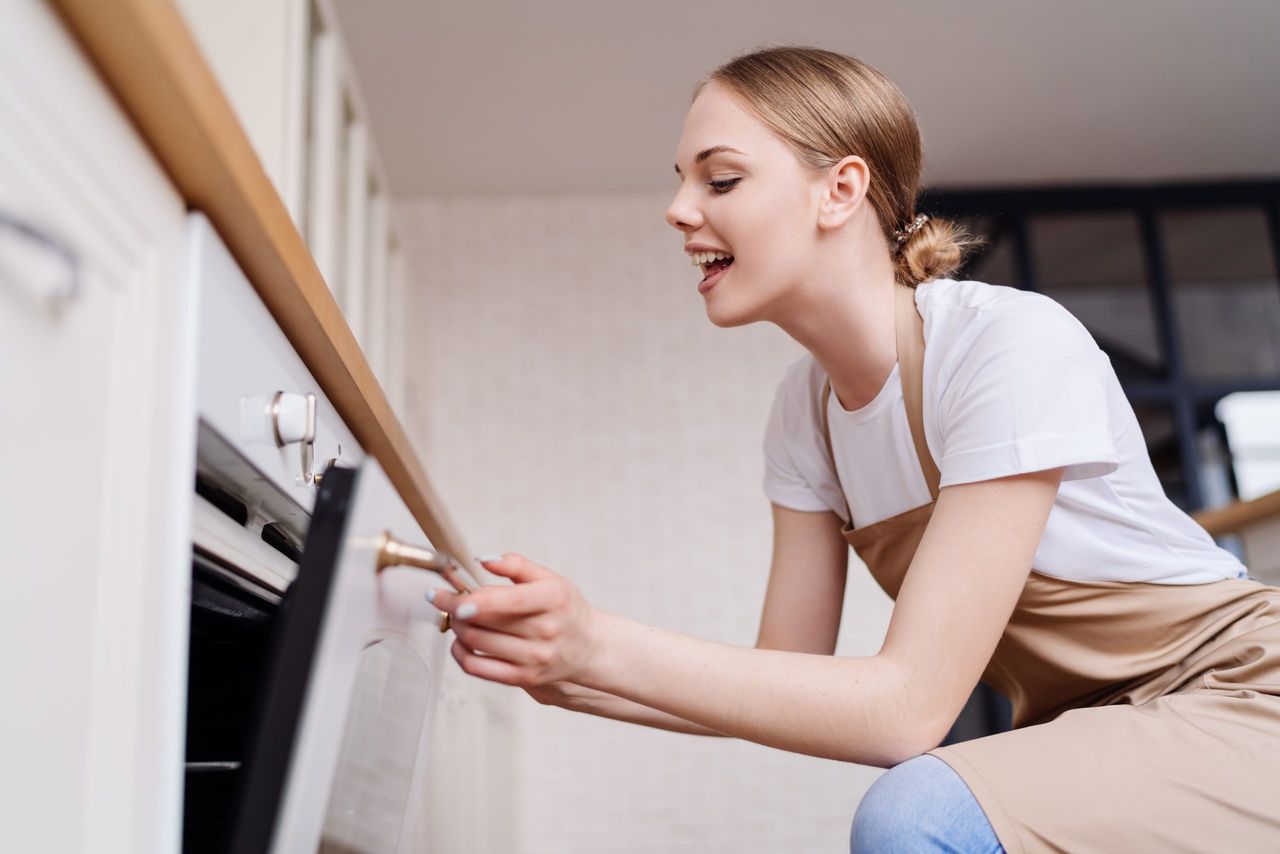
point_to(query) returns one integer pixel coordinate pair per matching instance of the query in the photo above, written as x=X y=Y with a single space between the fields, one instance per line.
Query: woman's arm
x=807 y=575
x=579 y=698
x=957 y=597
x=802 y=608
x=880 y=710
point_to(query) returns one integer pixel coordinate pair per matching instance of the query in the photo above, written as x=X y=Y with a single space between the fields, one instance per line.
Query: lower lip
x=710 y=281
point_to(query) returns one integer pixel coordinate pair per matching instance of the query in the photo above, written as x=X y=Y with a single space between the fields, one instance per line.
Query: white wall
x=572 y=402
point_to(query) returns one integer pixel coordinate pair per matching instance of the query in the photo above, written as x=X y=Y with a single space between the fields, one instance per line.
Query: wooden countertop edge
x=150 y=60
x=1240 y=515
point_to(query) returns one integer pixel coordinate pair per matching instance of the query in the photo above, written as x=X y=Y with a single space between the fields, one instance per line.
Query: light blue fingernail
x=488 y=558
x=467 y=609
x=431 y=595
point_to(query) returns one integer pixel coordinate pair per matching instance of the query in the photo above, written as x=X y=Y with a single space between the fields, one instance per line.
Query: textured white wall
x=572 y=402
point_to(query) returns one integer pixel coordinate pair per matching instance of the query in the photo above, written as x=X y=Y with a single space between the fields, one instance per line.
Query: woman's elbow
x=901 y=738
x=907 y=742
x=917 y=719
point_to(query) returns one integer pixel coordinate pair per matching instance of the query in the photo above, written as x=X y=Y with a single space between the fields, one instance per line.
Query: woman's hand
x=538 y=631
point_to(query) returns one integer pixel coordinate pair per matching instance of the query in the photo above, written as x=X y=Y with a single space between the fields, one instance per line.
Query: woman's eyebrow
x=715 y=149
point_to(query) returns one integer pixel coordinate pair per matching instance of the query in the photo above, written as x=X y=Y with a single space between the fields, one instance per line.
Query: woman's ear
x=844 y=189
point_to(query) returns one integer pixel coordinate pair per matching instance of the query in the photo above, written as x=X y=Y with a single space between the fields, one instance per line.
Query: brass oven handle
x=392 y=552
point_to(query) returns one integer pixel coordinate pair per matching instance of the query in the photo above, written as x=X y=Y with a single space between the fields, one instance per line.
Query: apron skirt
x=1183 y=757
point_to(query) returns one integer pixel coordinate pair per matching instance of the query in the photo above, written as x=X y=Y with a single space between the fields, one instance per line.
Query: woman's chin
x=726 y=316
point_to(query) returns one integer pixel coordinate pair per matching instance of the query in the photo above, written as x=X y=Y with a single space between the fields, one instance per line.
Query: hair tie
x=903 y=233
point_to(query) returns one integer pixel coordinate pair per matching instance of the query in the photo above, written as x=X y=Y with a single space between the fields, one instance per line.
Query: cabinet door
x=96 y=429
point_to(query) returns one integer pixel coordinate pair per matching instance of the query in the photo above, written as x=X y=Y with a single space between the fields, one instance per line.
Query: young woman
x=972 y=443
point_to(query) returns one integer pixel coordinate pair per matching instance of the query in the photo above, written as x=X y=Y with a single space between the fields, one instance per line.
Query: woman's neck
x=847 y=322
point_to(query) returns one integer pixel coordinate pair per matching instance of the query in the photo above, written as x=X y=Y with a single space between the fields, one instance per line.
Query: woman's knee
x=890 y=808
x=920 y=805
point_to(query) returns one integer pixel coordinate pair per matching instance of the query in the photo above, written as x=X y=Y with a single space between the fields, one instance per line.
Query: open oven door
x=348 y=687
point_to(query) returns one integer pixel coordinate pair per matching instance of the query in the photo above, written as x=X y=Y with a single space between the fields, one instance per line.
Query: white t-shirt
x=1013 y=383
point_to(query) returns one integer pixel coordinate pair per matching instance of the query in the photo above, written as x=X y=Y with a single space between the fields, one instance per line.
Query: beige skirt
x=1182 y=756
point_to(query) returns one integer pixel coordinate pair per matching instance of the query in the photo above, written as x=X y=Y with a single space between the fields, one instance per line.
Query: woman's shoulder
x=982 y=301
x=967 y=323
x=963 y=315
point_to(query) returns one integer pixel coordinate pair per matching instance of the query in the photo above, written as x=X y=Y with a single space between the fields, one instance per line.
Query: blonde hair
x=827 y=106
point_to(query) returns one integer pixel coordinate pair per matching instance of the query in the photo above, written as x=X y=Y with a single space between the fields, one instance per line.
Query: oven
x=314 y=659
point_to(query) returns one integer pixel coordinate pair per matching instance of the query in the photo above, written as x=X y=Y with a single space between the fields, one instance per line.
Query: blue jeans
x=921 y=805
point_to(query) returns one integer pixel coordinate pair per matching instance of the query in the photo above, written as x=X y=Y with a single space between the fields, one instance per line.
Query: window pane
x=1092 y=264
x=1251 y=422
x=1223 y=280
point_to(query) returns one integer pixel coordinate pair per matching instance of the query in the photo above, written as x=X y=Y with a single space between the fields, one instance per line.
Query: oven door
x=349 y=685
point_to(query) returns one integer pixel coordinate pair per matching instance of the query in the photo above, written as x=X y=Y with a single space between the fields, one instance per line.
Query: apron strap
x=911 y=371
x=831 y=455
x=909 y=333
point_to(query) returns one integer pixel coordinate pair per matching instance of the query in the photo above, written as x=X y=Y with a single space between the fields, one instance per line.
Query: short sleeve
x=784 y=484
x=1028 y=391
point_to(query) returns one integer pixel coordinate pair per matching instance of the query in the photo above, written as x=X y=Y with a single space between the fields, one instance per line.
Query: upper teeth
x=700 y=258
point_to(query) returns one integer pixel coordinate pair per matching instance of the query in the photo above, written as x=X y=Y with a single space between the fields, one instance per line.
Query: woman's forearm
x=877 y=710
x=848 y=709
x=592 y=702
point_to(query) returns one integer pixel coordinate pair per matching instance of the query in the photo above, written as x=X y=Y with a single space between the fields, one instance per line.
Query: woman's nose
x=682 y=215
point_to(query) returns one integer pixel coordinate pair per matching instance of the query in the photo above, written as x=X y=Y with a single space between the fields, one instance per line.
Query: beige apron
x=1146 y=716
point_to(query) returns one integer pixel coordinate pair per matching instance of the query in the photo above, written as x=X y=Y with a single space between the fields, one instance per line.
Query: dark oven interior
x=231 y=625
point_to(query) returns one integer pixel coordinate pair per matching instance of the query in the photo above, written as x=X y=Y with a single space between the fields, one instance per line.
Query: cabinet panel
x=325 y=162
x=375 y=342
x=284 y=67
x=257 y=49
x=95 y=375
x=352 y=298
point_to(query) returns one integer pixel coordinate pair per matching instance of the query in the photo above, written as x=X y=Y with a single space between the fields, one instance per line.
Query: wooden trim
x=150 y=60
x=1234 y=518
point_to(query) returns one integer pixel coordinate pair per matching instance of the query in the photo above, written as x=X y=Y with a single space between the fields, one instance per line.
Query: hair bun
x=933 y=249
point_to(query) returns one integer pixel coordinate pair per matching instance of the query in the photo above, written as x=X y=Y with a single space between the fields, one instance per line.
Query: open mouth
x=712 y=263
x=714 y=271
x=716 y=267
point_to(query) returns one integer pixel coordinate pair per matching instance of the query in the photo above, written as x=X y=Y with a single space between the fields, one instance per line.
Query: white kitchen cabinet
x=284 y=67
x=96 y=362
x=105 y=369
x=258 y=51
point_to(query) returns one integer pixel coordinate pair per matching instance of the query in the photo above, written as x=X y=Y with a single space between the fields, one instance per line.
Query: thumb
x=515 y=566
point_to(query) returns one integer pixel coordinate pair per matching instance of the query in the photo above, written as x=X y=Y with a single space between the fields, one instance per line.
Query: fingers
x=515 y=566
x=497 y=605
x=498 y=644
x=493 y=669
x=445 y=600
x=495 y=655
x=503 y=630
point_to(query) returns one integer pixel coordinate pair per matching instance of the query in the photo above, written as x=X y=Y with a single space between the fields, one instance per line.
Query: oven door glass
x=348 y=687
x=379 y=750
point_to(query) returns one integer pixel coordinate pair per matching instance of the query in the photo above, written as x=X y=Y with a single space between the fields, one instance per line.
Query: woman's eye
x=723 y=186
